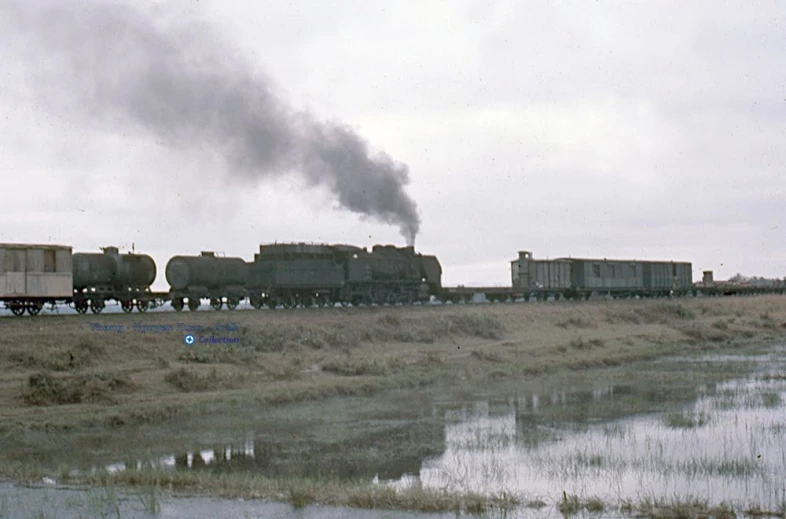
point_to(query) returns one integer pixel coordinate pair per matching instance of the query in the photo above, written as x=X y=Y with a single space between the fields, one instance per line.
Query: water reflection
x=389 y=452
x=713 y=440
x=725 y=444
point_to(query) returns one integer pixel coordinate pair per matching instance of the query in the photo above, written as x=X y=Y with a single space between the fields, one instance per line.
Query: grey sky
x=647 y=130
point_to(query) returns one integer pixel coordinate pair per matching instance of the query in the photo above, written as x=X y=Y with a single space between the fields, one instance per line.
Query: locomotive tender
x=301 y=274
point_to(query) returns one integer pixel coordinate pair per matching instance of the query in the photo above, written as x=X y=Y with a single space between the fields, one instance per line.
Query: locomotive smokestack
x=159 y=68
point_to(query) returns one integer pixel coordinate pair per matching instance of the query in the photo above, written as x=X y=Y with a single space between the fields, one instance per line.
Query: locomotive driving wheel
x=256 y=302
x=81 y=306
x=127 y=306
x=97 y=305
x=142 y=305
x=217 y=304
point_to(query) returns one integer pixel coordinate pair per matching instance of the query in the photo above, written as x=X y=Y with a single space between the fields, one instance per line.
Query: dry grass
x=47 y=389
x=284 y=356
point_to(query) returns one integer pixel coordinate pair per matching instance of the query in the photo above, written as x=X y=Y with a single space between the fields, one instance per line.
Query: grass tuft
x=188 y=380
x=45 y=389
x=686 y=420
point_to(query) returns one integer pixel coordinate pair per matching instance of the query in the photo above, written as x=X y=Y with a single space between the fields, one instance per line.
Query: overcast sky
x=649 y=130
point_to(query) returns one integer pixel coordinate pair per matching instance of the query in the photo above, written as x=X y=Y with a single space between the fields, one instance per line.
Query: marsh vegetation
x=477 y=408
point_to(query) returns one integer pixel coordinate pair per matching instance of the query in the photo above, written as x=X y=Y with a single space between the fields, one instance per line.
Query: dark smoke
x=162 y=69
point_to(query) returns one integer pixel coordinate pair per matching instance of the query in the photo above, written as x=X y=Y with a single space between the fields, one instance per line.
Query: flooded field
x=701 y=433
x=729 y=445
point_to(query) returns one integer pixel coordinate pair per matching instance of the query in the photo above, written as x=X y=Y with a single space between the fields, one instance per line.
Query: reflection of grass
x=731 y=399
x=686 y=420
x=149 y=500
x=730 y=467
x=771 y=399
x=614 y=430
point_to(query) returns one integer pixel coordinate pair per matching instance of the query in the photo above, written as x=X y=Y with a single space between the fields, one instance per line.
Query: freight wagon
x=125 y=278
x=580 y=278
x=218 y=279
x=34 y=275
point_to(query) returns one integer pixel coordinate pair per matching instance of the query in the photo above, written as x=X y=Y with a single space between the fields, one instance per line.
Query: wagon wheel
x=177 y=304
x=308 y=301
x=256 y=302
x=97 y=305
x=193 y=304
x=142 y=305
x=216 y=304
x=34 y=308
x=81 y=306
x=271 y=303
x=127 y=306
x=17 y=309
x=232 y=303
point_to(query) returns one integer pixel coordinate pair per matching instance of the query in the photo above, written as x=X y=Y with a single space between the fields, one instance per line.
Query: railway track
x=160 y=303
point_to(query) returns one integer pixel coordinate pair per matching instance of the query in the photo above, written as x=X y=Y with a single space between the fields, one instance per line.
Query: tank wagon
x=125 y=278
x=193 y=278
x=292 y=274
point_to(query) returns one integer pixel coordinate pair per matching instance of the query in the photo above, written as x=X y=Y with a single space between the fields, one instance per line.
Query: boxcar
x=33 y=275
x=663 y=277
x=530 y=275
x=607 y=276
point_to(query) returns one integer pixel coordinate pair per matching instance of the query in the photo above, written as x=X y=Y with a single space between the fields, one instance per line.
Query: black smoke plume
x=159 y=67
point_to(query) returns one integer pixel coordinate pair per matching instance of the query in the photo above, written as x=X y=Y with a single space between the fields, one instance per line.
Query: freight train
x=300 y=274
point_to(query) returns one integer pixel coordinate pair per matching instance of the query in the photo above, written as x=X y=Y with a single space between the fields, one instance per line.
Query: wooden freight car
x=34 y=275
